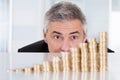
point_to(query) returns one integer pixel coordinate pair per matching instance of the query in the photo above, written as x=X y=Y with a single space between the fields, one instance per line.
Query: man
x=64 y=28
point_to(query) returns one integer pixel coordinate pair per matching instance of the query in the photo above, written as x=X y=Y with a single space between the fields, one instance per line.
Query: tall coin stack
x=94 y=55
x=66 y=61
x=103 y=50
x=84 y=57
x=76 y=59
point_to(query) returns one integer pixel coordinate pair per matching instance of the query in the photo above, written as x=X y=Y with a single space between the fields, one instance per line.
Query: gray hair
x=64 y=11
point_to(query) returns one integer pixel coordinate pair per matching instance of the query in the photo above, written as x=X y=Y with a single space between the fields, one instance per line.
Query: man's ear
x=45 y=36
x=85 y=38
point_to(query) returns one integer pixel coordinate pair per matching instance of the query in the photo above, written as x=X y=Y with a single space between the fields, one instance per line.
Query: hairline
x=64 y=20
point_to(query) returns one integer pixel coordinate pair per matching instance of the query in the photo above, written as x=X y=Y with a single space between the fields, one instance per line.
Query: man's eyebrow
x=56 y=32
x=75 y=32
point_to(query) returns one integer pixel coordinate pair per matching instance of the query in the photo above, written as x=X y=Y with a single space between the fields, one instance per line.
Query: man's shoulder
x=110 y=51
x=39 y=46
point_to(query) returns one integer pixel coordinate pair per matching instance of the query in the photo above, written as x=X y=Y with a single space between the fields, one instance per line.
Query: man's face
x=61 y=36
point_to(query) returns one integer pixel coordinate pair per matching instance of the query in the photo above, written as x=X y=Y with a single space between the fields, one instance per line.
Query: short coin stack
x=28 y=69
x=37 y=68
x=56 y=64
x=87 y=57
x=47 y=66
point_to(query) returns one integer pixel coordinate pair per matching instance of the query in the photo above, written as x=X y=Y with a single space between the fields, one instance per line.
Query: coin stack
x=56 y=64
x=76 y=59
x=28 y=69
x=103 y=50
x=18 y=70
x=84 y=57
x=37 y=68
x=66 y=61
x=94 y=55
x=47 y=66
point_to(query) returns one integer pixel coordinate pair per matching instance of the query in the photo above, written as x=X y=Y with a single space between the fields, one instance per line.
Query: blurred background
x=4 y=25
x=21 y=21
x=114 y=26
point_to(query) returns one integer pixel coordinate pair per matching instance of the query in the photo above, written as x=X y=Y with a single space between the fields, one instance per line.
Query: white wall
x=27 y=22
x=114 y=26
x=4 y=25
x=114 y=31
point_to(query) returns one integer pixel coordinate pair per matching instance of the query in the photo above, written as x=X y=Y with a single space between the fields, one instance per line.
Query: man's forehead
x=69 y=27
x=60 y=32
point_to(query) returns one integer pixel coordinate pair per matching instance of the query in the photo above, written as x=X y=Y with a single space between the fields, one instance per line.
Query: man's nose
x=65 y=46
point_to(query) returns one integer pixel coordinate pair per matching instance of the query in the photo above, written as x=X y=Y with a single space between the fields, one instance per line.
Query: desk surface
x=20 y=60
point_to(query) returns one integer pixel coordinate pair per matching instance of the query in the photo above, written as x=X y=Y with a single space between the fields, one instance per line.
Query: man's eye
x=57 y=37
x=74 y=37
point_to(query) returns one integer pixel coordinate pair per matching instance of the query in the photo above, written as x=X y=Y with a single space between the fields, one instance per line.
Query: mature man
x=64 y=28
